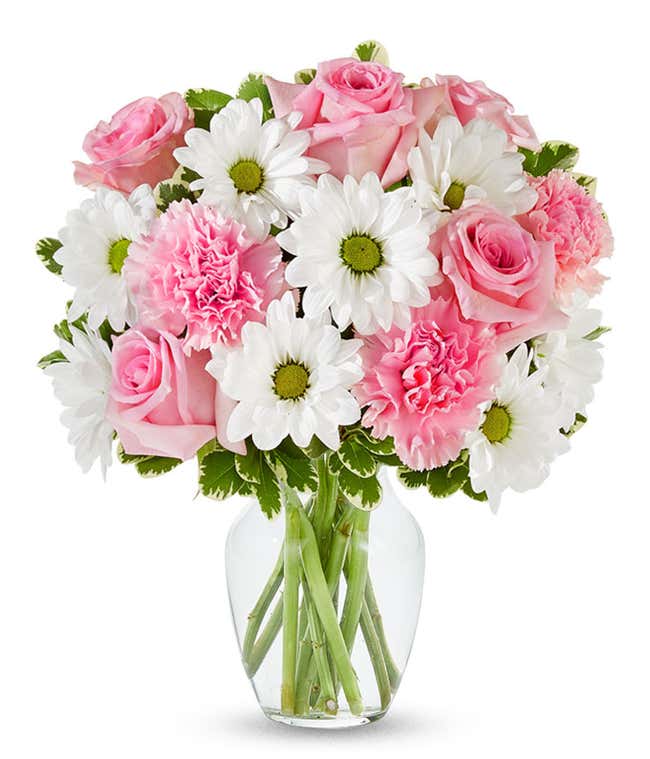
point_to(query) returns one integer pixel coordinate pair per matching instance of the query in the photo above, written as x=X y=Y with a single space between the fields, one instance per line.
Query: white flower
x=95 y=245
x=81 y=383
x=460 y=166
x=573 y=363
x=291 y=377
x=519 y=433
x=251 y=171
x=362 y=252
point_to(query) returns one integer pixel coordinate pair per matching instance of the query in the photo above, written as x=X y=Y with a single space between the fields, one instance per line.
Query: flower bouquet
x=303 y=286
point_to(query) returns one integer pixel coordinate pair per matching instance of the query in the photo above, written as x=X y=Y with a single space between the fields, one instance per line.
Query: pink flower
x=474 y=100
x=136 y=146
x=572 y=220
x=201 y=272
x=359 y=115
x=424 y=385
x=501 y=275
x=161 y=402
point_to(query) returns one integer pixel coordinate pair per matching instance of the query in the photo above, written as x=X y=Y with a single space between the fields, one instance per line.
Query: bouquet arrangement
x=309 y=281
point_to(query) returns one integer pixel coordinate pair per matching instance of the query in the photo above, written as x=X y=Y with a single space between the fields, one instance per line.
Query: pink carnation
x=567 y=216
x=202 y=273
x=475 y=100
x=424 y=385
x=136 y=146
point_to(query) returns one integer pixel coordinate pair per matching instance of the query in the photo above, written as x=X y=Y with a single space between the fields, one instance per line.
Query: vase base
x=343 y=719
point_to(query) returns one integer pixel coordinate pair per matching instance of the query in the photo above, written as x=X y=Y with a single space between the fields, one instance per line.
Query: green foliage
x=167 y=193
x=189 y=175
x=589 y=183
x=362 y=492
x=293 y=466
x=218 y=476
x=45 y=250
x=253 y=87
x=579 y=422
x=147 y=466
x=304 y=76
x=356 y=458
x=56 y=357
x=598 y=332
x=63 y=331
x=469 y=491
x=406 y=182
x=443 y=481
x=553 y=155
x=371 y=50
x=205 y=103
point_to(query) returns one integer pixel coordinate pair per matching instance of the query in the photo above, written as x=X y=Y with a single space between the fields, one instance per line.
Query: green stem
x=376 y=656
x=357 y=576
x=373 y=608
x=322 y=600
x=325 y=506
x=327 y=688
x=290 y=602
x=265 y=640
x=256 y=616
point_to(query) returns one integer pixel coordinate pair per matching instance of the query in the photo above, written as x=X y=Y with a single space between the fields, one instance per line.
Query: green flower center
x=361 y=253
x=117 y=255
x=247 y=176
x=290 y=381
x=454 y=196
x=497 y=424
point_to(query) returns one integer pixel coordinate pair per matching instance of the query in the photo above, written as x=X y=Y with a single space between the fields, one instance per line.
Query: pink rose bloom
x=501 y=275
x=359 y=115
x=136 y=146
x=424 y=385
x=572 y=220
x=161 y=402
x=202 y=273
x=474 y=100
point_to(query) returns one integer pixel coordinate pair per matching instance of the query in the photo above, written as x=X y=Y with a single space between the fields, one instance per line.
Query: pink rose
x=136 y=146
x=359 y=115
x=501 y=275
x=572 y=220
x=161 y=402
x=474 y=100
x=424 y=386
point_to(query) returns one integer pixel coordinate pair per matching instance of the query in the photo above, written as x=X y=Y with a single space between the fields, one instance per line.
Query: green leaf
x=249 y=466
x=589 y=183
x=579 y=422
x=253 y=87
x=205 y=103
x=45 y=250
x=304 y=76
x=357 y=458
x=189 y=175
x=411 y=478
x=362 y=492
x=316 y=448
x=371 y=50
x=598 y=332
x=218 y=477
x=56 y=357
x=293 y=467
x=469 y=490
x=406 y=182
x=167 y=193
x=553 y=155
x=373 y=444
x=127 y=458
x=335 y=463
x=391 y=459
x=268 y=491
x=154 y=466
x=446 y=480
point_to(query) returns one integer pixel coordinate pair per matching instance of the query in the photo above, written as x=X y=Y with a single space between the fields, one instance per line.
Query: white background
x=115 y=636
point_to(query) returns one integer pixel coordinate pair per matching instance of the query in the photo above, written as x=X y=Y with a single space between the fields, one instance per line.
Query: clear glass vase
x=325 y=599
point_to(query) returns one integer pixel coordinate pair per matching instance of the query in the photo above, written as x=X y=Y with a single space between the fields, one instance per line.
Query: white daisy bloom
x=251 y=171
x=290 y=377
x=361 y=252
x=519 y=433
x=460 y=166
x=573 y=363
x=95 y=245
x=81 y=383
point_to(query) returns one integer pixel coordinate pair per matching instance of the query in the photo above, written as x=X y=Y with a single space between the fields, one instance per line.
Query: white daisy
x=572 y=362
x=519 y=433
x=361 y=252
x=251 y=171
x=460 y=166
x=291 y=377
x=81 y=383
x=95 y=245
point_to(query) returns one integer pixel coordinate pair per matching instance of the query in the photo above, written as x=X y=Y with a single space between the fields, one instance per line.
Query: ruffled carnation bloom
x=475 y=100
x=136 y=147
x=500 y=274
x=359 y=115
x=425 y=385
x=161 y=402
x=200 y=272
x=572 y=220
